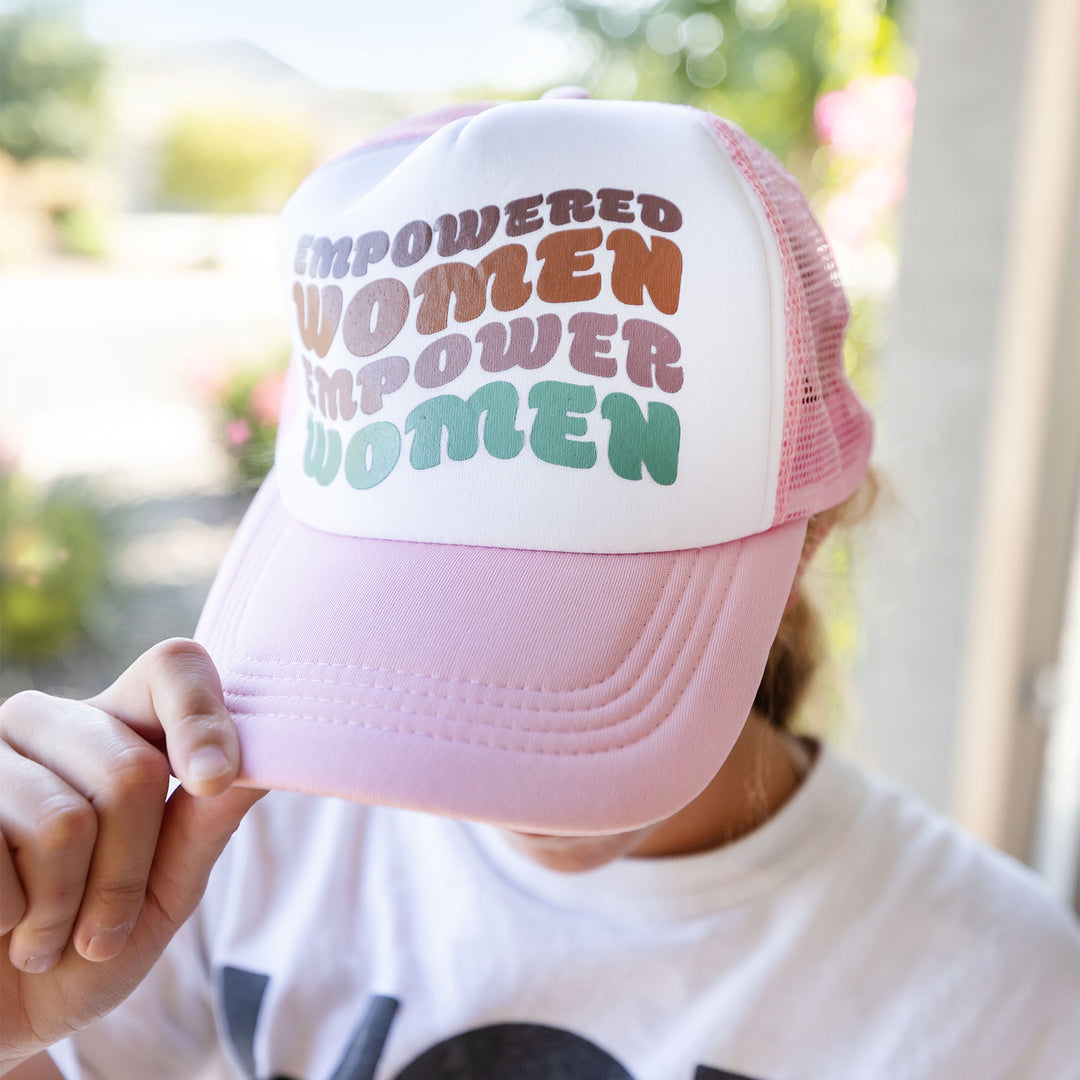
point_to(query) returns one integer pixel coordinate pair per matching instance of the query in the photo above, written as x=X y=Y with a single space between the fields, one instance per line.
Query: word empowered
x=321 y=256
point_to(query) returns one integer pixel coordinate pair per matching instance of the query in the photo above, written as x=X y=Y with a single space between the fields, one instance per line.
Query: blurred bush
x=52 y=567
x=80 y=230
x=232 y=162
x=51 y=86
x=246 y=402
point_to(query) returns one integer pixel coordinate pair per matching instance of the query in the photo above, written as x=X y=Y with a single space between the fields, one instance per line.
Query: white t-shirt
x=854 y=936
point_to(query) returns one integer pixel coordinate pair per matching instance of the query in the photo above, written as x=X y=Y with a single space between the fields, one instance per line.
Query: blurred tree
x=232 y=162
x=52 y=566
x=51 y=82
x=762 y=63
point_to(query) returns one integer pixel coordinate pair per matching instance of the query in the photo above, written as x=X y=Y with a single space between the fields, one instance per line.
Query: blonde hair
x=799 y=645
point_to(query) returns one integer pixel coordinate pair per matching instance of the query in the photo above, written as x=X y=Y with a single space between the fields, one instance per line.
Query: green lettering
x=322 y=452
x=499 y=400
x=461 y=420
x=429 y=418
x=554 y=402
x=372 y=454
x=635 y=440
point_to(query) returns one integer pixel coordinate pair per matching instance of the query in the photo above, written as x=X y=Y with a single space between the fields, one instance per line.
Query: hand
x=97 y=869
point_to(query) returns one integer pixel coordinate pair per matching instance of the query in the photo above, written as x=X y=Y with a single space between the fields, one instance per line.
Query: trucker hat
x=566 y=383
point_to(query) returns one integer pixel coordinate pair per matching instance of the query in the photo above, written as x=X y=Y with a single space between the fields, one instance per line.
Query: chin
x=572 y=854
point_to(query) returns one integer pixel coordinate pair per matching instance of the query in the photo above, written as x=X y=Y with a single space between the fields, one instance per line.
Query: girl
x=516 y=628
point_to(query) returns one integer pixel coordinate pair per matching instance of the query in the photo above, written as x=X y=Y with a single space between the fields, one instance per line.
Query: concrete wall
x=935 y=384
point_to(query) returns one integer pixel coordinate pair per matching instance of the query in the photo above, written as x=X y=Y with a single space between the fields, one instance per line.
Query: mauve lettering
x=650 y=358
x=470 y=229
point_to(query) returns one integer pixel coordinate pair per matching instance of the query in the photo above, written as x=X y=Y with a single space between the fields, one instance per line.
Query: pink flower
x=849 y=219
x=880 y=186
x=237 y=432
x=869 y=118
x=8 y=458
x=266 y=397
x=865 y=128
x=207 y=374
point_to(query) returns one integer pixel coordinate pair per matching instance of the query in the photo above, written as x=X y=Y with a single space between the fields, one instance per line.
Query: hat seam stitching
x=692 y=671
x=237 y=651
x=795 y=330
x=725 y=136
x=635 y=680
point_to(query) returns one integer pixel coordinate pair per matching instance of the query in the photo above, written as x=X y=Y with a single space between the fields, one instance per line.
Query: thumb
x=194 y=832
x=172 y=695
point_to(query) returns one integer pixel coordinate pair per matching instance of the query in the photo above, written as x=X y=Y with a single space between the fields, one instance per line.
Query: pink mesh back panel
x=827 y=431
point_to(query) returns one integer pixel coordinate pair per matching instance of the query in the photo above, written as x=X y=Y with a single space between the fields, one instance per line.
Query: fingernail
x=208 y=763
x=105 y=944
x=38 y=965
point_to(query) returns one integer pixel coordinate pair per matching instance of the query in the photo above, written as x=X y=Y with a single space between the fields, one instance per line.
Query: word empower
x=651 y=357
x=555 y=436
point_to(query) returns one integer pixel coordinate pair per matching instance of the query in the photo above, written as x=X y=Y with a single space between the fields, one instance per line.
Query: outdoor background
x=144 y=153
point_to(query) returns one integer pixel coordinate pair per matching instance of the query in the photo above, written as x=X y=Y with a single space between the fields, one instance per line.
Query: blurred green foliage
x=232 y=162
x=247 y=400
x=761 y=63
x=52 y=567
x=51 y=86
x=80 y=230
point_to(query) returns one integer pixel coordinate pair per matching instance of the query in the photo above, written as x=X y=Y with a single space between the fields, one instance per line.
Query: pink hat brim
x=538 y=690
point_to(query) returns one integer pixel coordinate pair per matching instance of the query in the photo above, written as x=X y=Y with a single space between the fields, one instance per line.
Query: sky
x=380 y=45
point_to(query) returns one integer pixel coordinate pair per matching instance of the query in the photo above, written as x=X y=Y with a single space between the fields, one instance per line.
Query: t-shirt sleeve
x=1054 y=1051
x=165 y=1029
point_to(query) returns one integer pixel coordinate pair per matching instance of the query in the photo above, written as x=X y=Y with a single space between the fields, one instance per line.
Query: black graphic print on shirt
x=497 y=1052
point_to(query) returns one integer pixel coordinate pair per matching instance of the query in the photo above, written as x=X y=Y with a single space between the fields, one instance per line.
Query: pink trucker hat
x=566 y=384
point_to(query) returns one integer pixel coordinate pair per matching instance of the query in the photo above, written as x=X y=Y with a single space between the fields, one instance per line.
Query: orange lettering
x=467 y=286
x=564 y=254
x=318 y=319
x=637 y=267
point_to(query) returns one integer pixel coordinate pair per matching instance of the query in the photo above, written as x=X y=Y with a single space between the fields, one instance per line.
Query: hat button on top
x=566 y=92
